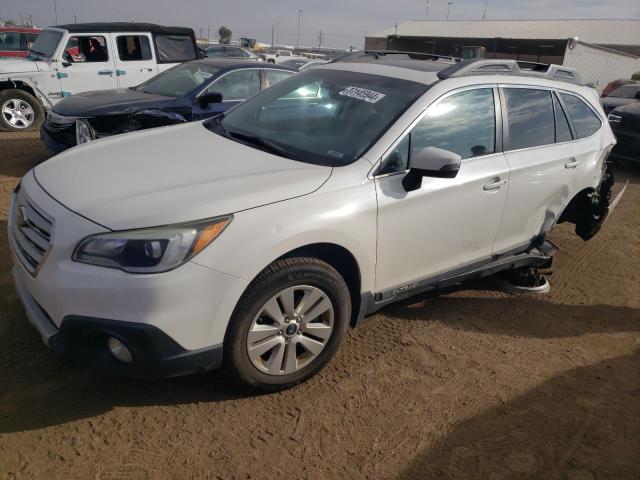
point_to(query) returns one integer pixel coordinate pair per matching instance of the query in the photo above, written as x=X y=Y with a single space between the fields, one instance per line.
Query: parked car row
x=191 y=91
x=622 y=105
x=75 y=58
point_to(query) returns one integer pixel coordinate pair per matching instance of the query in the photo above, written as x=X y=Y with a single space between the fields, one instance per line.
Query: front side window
x=321 y=116
x=237 y=85
x=463 y=123
x=530 y=117
x=46 y=43
x=179 y=80
x=275 y=76
x=10 y=41
x=86 y=49
x=398 y=159
x=585 y=121
x=133 y=48
x=175 y=48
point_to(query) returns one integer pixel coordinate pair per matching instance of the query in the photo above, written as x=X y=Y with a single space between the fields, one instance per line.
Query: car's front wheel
x=288 y=325
x=19 y=111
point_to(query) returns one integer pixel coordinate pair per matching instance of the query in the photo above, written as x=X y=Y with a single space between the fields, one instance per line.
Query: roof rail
x=481 y=66
x=378 y=54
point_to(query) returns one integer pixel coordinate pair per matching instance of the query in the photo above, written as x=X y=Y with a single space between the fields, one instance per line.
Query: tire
x=289 y=362
x=13 y=105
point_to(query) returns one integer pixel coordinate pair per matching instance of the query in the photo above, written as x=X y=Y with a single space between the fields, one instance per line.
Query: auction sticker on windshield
x=363 y=94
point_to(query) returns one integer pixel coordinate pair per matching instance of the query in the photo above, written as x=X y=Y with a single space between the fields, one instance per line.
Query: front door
x=235 y=87
x=90 y=64
x=135 y=62
x=448 y=222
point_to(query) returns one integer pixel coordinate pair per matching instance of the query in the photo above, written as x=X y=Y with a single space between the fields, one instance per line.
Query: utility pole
x=449 y=3
x=55 y=10
x=426 y=17
x=75 y=20
x=320 y=40
x=484 y=13
x=273 y=33
x=298 y=38
x=208 y=34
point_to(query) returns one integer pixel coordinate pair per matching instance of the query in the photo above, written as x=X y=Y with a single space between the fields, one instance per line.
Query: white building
x=602 y=50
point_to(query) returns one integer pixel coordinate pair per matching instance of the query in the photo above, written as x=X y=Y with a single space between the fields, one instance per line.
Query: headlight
x=613 y=118
x=151 y=250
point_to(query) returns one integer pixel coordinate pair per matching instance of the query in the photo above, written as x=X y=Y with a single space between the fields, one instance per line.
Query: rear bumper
x=84 y=339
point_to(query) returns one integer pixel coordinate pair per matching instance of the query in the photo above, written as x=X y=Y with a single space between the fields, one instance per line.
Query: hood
x=609 y=103
x=170 y=175
x=630 y=109
x=21 y=65
x=109 y=102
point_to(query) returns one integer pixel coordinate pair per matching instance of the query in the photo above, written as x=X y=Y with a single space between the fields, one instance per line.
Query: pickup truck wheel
x=19 y=111
x=287 y=326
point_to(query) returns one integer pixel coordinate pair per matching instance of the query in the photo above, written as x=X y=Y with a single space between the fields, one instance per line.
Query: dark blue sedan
x=191 y=91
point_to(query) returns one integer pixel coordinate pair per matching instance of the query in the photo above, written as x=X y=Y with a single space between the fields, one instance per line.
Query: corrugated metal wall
x=600 y=66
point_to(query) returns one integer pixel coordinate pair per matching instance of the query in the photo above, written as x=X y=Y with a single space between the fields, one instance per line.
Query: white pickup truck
x=278 y=56
x=69 y=59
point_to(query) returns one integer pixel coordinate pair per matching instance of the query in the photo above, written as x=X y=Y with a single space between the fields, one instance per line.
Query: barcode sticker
x=363 y=94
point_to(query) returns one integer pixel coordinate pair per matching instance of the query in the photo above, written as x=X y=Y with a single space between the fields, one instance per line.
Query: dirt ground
x=470 y=384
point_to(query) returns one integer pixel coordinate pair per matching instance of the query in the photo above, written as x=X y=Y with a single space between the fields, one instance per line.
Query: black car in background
x=192 y=91
x=622 y=95
x=625 y=123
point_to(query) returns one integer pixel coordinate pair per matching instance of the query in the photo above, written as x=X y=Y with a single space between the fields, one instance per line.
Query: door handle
x=146 y=69
x=105 y=72
x=494 y=185
x=572 y=163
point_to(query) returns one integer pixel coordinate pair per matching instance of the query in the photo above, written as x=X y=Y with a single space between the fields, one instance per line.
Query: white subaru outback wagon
x=251 y=242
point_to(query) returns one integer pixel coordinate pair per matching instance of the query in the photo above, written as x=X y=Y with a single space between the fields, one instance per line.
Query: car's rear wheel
x=19 y=111
x=288 y=325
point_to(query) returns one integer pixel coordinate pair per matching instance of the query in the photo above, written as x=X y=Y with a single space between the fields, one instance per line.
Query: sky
x=343 y=22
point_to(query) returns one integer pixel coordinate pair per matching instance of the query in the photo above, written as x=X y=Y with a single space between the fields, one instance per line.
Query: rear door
x=538 y=144
x=91 y=64
x=134 y=57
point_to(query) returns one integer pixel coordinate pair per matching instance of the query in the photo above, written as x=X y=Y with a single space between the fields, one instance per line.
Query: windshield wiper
x=260 y=142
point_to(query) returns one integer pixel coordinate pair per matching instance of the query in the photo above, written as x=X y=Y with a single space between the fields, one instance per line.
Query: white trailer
x=599 y=65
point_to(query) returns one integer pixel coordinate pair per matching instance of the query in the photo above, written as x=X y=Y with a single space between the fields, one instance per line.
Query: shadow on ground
x=583 y=424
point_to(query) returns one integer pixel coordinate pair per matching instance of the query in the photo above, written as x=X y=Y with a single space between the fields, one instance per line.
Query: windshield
x=46 y=44
x=626 y=91
x=327 y=117
x=179 y=80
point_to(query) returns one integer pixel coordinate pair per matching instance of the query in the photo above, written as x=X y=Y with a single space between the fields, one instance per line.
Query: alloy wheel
x=290 y=330
x=18 y=113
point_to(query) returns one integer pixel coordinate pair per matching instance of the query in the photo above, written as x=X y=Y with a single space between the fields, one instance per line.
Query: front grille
x=30 y=232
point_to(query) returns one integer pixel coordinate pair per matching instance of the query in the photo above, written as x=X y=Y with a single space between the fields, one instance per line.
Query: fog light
x=118 y=350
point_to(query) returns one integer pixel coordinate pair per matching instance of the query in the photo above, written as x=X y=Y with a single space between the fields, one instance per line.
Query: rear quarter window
x=584 y=120
x=175 y=48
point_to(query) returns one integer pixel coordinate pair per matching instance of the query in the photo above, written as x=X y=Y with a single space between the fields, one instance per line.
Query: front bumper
x=84 y=339
x=54 y=145
x=173 y=322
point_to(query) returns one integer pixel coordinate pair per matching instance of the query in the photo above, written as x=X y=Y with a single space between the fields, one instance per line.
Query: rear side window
x=585 y=121
x=133 y=47
x=563 y=131
x=175 y=48
x=531 y=119
x=237 y=85
x=463 y=123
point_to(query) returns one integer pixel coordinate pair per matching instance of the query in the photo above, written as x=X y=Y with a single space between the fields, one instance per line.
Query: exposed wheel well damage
x=17 y=85
x=343 y=261
x=590 y=207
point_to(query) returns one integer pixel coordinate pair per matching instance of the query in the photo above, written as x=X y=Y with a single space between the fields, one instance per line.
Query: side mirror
x=431 y=162
x=209 y=98
x=637 y=95
x=67 y=60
